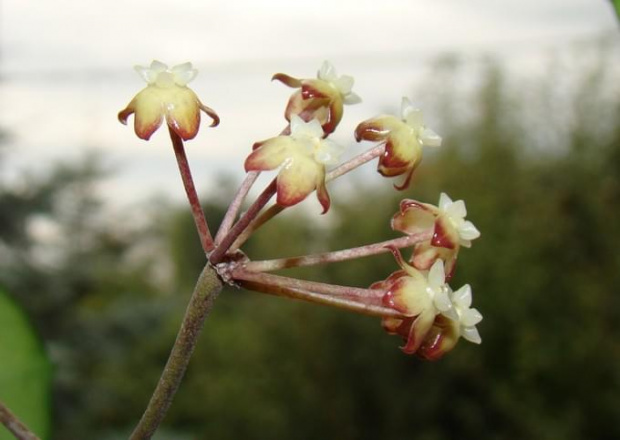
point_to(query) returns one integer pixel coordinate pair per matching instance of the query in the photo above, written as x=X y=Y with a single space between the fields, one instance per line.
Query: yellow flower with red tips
x=322 y=98
x=450 y=230
x=404 y=138
x=302 y=157
x=167 y=96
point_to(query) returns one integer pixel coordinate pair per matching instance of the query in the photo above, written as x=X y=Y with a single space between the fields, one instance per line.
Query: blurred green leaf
x=24 y=370
x=616 y=4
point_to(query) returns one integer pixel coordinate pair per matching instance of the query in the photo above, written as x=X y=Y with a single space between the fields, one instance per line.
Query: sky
x=66 y=69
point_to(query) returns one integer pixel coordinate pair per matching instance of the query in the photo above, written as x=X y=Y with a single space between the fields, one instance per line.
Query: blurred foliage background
x=538 y=164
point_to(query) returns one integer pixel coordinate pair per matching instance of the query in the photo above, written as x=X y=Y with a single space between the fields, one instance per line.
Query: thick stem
x=14 y=425
x=186 y=175
x=252 y=212
x=235 y=205
x=331 y=257
x=207 y=288
x=317 y=298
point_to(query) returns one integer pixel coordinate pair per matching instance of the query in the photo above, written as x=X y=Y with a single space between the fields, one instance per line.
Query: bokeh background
x=99 y=250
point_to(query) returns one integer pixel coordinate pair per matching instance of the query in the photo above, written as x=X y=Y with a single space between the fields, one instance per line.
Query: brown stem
x=207 y=288
x=252 y=212
x=186 y=175
x=317 y=298
x=14 y=425
x=331 y=257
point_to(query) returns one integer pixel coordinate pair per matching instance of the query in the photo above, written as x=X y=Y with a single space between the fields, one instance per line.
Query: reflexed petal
x=429 y=138
x=441 y=338
x=286 y=79
x=414 y=217
x=149 y=112
x=322 y=194
x=312 y=88
x=471 y=334
x=269 y=155
x=420 y=328
x=183 y=112
x=375 y=129
x=296 y=180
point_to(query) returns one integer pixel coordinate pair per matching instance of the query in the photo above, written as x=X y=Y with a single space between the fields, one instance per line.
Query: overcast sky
x=66 y=66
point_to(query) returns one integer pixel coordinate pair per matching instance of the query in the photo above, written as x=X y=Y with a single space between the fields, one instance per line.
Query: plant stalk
x=14 y=425
x=207 y=289
x=206 y=240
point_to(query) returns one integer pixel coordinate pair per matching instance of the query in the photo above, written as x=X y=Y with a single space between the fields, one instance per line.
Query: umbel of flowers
x=414 y=302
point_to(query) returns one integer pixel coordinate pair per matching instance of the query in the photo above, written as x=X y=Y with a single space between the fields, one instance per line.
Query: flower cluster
x=415 y=302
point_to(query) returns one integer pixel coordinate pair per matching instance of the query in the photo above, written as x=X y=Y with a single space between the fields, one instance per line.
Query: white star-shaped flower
x=344 y=83
x=467 y=317
x=413 y=117
x=456 y=213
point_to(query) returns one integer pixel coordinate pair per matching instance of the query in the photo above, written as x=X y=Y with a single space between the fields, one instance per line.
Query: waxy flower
x=322 y=98
x=404 y=138
x=450 y=230
x=445 y=332
x=302 y=157
x=167 y=96
x=420 y=297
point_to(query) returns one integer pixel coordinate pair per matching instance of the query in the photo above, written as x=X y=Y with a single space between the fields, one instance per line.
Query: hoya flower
x=445 y=332
x=167 y=96
x=450 y=230
x=322 y=98
x=420 y=297
x=302 y=157
x=404 y=138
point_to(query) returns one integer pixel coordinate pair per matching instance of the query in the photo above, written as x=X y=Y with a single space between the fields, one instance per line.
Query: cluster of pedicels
x=414 y=302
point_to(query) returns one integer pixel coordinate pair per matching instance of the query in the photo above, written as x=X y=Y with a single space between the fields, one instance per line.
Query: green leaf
x=616 y=4
x=25 y=373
